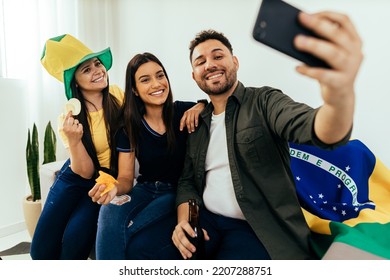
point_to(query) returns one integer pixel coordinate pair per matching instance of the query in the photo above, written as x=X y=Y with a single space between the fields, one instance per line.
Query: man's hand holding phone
x=340 y=48
x=331 y=50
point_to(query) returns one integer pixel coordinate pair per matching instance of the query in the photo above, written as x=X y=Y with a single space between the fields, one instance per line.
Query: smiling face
x=91 y=76
x=214 y=67
x=151 y=84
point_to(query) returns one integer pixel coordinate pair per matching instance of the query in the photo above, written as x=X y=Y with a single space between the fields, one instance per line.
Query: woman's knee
x=154 y=241
x=109 y=215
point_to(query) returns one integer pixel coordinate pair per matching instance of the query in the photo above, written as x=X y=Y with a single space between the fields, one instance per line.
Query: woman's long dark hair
x=134 y=107
x=111 y=110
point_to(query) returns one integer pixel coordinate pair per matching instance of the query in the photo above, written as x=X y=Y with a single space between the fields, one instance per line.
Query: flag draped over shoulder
x=345 y=196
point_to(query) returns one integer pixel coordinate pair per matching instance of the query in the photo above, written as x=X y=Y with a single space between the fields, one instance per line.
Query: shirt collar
x=238 y=95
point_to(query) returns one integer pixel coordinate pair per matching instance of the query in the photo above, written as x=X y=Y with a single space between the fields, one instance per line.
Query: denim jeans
x=67 y=226
x=155 y=241
x=148 y=202
x=230 y=239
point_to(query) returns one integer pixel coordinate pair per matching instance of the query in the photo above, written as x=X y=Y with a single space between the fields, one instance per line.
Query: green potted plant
x=32 y=205
x=32 y=157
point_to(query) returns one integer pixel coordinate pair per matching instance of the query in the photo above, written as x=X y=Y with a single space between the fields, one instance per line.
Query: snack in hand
x=73 y=105
x=106 y=179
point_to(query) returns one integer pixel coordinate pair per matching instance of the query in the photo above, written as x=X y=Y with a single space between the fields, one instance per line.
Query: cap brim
x=105 y=57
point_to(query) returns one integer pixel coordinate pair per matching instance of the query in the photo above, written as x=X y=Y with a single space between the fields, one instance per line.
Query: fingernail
x=306 y=17
x=301 y=40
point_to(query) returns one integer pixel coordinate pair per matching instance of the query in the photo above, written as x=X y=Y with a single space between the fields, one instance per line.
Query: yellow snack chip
x=106 y=179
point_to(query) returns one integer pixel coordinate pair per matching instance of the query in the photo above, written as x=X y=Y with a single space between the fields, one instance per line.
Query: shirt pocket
x=248 y=143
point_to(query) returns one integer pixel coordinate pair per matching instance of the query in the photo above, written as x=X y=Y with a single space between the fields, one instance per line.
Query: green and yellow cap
x=63 y=54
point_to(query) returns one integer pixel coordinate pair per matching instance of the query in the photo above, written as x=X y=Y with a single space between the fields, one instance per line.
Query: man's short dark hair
x=209 y=35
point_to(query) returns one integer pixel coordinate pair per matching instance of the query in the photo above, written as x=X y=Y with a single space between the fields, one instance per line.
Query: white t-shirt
x=219 y=195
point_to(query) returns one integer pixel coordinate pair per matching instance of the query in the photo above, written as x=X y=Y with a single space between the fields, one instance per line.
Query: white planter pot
x=32 y=210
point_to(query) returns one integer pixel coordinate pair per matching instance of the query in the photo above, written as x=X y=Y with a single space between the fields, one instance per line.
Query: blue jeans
x=155 y=241
x=230 y=239
x=67 y=226
x=117 y=223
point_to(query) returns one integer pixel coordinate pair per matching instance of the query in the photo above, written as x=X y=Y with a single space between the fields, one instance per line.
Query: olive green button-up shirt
x=259 y=124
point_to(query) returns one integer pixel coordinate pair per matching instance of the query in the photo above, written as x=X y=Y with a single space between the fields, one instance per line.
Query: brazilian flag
x=345 y=196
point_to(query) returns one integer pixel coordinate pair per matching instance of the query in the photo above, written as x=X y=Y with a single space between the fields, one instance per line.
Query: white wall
x=165 y=28
x=13 y=186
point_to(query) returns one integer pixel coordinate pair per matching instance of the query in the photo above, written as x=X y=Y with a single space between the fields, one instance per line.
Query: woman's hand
x=96 y=194
x=191 y=116
x=72 y=129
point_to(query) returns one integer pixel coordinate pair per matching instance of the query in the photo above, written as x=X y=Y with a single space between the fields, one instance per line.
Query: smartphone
x=276 y=26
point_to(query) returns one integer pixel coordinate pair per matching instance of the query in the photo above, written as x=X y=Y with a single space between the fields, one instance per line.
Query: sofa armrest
x=48 y=174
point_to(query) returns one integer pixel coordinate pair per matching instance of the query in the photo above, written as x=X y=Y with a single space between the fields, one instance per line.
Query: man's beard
x=221 y=88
